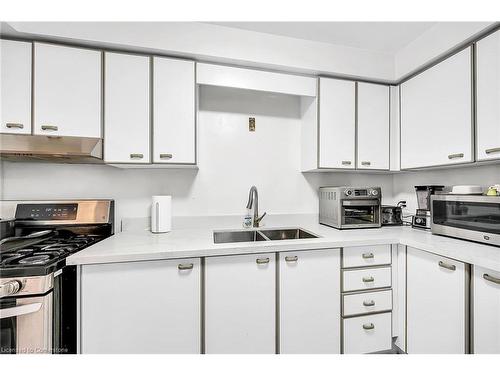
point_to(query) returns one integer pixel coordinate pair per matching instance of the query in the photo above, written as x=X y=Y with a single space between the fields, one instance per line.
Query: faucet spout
x=253 y=201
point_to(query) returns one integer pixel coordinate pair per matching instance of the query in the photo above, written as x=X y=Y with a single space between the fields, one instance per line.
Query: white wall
x=403 y=187
x=231 y=160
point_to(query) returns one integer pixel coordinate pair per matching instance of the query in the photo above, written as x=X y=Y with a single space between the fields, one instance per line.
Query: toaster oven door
x=360 y=213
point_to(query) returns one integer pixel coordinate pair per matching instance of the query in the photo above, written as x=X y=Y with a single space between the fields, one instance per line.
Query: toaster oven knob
x=374 y=192
x=348 y=192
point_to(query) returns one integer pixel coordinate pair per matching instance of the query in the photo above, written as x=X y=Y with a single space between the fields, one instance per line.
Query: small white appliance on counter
x=161 y=214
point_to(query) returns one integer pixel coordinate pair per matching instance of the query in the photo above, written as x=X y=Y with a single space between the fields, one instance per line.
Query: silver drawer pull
x=368 y=326
x=368 y=279
x=262 y=260
x=366 y=163
x=492 y=150
x=368 y=256
x=491 y=278
x=185 y=266
x=136 y=156
x=450 y=267
x=12 y=125
x=49 y=127
x=456 y=156
x=369 y=303
x=346 y=162
x=293 y=258
x=165 y=156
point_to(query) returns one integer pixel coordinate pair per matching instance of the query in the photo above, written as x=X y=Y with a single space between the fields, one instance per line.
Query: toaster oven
x=345 y=207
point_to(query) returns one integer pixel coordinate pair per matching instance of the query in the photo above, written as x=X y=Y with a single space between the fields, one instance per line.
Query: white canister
x=161 y=214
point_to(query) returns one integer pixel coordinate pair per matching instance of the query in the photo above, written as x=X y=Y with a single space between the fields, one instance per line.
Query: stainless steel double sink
x=262 y=235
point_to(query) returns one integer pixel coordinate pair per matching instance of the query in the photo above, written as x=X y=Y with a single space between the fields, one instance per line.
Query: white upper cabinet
x=126 y=108
x=436 y=114
x=486 y=315
x=373 y=126
x=337 y=123
x=67 y=91
x=174 y=111
x=488 y=97
x=436 y=304
x=15 y=105
x=309 y=302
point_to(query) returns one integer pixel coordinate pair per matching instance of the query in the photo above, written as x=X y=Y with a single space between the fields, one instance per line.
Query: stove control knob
x=10 y=288
x=374 y=192
x=348 y=192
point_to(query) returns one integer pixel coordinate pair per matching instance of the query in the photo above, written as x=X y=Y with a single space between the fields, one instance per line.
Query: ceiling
x=386 y=37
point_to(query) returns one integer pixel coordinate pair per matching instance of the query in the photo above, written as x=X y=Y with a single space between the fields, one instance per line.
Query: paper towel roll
x=161 y=214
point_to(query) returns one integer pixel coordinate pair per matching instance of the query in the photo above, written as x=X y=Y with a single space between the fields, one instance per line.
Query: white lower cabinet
x=436 y=304
x=367 y=334
x=141 y=307
x=309 y=302
x=240 y=304
x=486 y=323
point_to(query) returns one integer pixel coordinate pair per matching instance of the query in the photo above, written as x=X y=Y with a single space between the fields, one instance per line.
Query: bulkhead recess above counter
x=74 y=104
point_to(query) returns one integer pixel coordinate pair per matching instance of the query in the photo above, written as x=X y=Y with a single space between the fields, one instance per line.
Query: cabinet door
x=310 y=302
x=488 y=97
x=373 y=126
x=240 y=307
x=436 y=304
x=174 y=111
x=141 y=307
x=126 y=109
x=436 y=114
x=486 y=294
x=15 y=86
x=337 y=123
x=67 y=91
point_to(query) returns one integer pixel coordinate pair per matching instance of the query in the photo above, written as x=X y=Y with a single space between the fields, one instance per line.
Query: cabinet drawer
x=367 y=334
x=360 y=256
x=369 y=278
x=365 y=303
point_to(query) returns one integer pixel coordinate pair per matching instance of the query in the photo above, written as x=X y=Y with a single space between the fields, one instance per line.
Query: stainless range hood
x=17 y=147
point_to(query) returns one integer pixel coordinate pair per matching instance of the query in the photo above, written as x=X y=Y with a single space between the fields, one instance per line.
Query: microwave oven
x=468 y=217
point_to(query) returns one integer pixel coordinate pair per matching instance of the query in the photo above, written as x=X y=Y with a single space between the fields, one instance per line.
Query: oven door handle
x=361 y=202
x=20 y=310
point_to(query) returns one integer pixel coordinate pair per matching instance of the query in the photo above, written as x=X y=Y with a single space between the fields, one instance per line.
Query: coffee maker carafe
x=422 y=218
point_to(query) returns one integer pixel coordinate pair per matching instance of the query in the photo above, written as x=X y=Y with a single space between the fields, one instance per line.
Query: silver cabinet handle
x=491 y=278
x=492 y=150
x=369 y=303
x=12 y=125
x=456 y=156
x=346 y=162
x=262 y=260
x=366 y=163
x=166 y=156
x=368 y=256
x=49 y=127
x=136 y=156
x=291 y=258
x=368 y=326
x=185 y=266
x=450 y=267
x=368 y=279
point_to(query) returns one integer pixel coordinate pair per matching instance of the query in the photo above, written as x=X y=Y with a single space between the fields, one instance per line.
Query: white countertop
x=137 y=244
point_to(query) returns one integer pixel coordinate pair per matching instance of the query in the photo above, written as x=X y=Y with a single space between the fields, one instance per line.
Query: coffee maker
x=422 y=218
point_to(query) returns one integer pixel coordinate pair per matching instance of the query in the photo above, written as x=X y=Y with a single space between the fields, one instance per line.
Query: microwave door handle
x=20 y=310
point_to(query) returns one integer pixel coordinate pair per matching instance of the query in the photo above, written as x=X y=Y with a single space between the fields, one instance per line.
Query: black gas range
x=33 y=271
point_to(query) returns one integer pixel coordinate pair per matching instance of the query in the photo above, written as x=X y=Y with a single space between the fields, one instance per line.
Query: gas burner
x=35 y=259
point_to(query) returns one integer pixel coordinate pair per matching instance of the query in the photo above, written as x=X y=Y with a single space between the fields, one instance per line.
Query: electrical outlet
x=251 y=124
